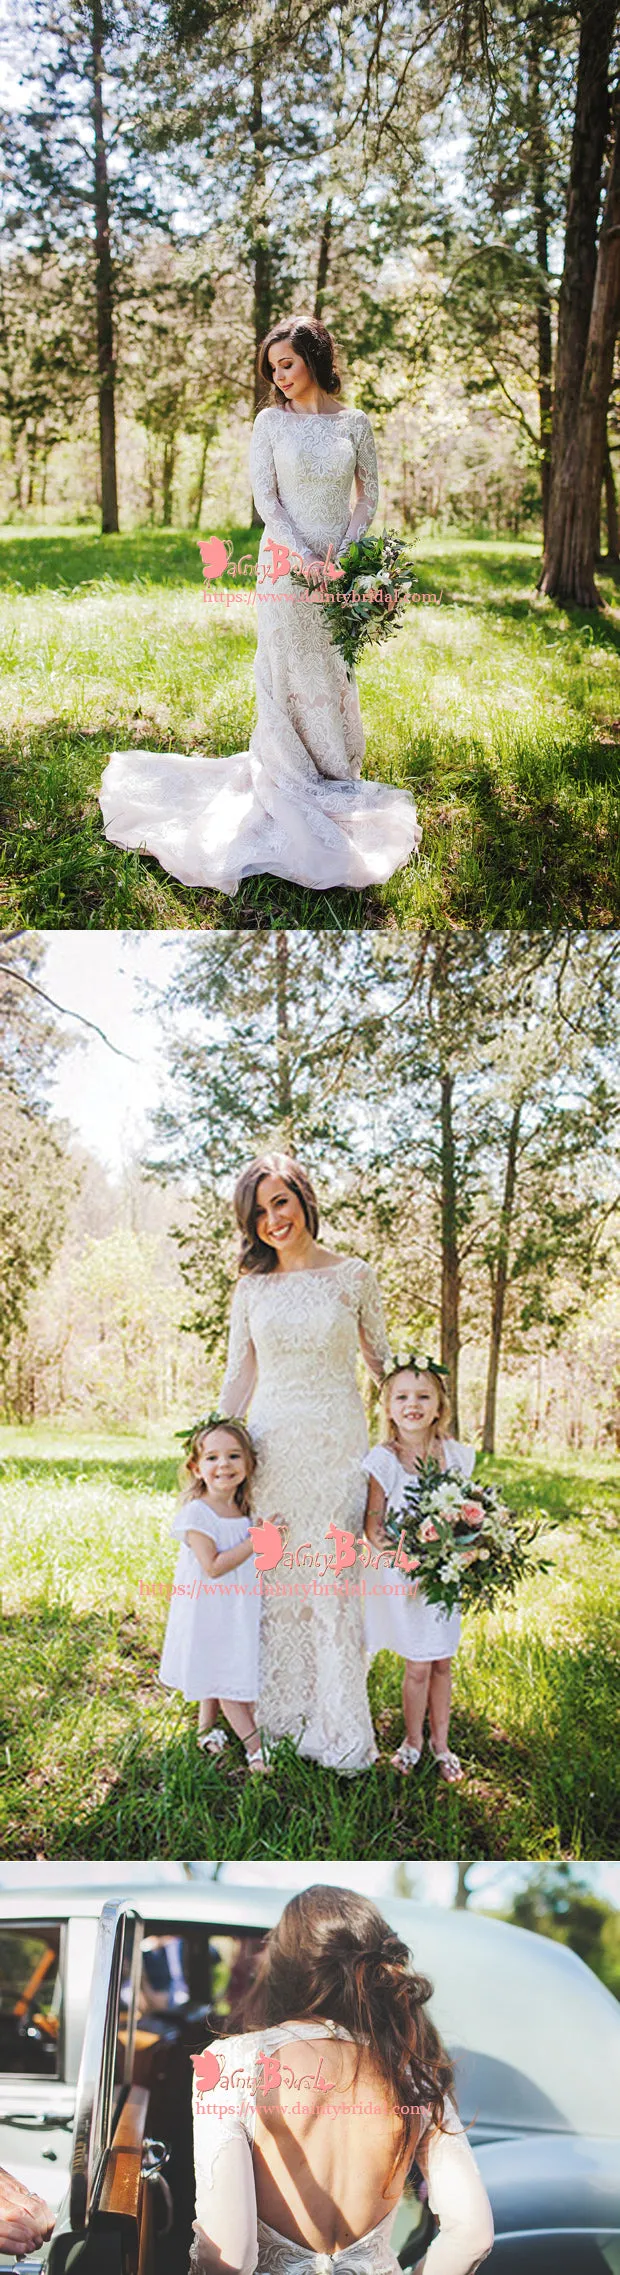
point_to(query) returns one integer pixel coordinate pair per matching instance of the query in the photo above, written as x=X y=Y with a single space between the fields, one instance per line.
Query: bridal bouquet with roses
x=462 y=1543
x=376 y=581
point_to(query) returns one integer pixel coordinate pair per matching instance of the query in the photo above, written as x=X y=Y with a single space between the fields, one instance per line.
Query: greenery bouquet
x=377 y=581
x=463 y=1544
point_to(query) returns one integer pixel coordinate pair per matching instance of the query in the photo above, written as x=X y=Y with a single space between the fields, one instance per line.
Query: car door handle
x=36 y=2120
x=154 y=2156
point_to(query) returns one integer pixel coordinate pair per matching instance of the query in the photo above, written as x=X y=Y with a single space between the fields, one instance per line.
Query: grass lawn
x=500 y=711
x=98 y=1761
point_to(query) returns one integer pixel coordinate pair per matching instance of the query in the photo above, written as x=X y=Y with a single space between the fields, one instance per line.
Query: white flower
x=447 y=1498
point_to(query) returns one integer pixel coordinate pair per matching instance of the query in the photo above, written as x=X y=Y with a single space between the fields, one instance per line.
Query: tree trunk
x=577 y=287
x=450 y=1274
x=168 y=478
x=540 y=163
x=501 y=1281
x=283 y=1041
x=611 y=509
x=104 y=291
x=323 y=262
x=572 y=549
x=262 y=263
x=206 y=441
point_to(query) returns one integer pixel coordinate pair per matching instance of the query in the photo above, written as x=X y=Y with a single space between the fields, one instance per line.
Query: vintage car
x=102 y=2002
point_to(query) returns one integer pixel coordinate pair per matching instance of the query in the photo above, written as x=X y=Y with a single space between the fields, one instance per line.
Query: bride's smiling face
x=291 y=374
x=280 y=1220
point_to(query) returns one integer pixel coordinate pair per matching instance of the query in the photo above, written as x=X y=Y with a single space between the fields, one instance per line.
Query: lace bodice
x=294 y=1333
x=226 y=2210
x=302 y=468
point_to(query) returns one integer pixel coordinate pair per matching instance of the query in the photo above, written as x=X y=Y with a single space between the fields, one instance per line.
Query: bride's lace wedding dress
x=294 y=1338
x=229 y=2231
x=293 y=804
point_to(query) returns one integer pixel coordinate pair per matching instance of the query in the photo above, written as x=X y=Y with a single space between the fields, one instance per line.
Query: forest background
x=456 y=1099
x=437 y=189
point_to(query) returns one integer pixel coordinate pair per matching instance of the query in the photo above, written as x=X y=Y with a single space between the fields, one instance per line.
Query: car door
x=106 y=2224
x=37 y=2079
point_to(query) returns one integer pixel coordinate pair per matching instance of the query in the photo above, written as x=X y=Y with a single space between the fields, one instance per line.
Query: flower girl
x=398 y=1617
x=211 y=1640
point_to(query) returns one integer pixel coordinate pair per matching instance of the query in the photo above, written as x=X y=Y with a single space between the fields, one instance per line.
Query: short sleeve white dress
x=229 y=2229
x=398 y=1617
x=211 y=1640
x=293 y=804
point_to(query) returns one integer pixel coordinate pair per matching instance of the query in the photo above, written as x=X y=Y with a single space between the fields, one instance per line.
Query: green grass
x=99 y=1761
x=500 y=711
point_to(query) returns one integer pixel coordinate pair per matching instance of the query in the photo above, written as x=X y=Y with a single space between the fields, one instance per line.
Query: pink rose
x=428 y=1530
x=472 y=1512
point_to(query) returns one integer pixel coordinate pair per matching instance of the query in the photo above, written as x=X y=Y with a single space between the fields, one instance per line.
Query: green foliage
x=378 y=580
x=557 y=1903
x=37 y=1178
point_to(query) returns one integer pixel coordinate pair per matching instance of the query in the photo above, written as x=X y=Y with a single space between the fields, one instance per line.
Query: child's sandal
x=256 y=1760
x=212 y=1741
x=406 y=1757
x=448 y=1764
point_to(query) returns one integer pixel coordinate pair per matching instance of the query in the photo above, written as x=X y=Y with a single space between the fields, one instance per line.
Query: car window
x=30 y=2000
x=197 y=1969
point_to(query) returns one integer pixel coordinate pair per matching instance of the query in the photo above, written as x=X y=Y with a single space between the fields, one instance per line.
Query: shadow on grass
x=130 y=1471
x=539 y=858
x=569 y=1495
x=547 y=1788
x=57 y=866
x=39 y=563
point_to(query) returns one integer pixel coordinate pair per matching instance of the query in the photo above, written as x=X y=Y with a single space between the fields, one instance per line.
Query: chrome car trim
x=96 y=2084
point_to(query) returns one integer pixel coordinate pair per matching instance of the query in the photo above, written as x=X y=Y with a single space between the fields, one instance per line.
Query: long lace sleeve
x=240 y=1375
x=458 y=2198
x=366 y=484
x=265 y=491
x=225 y=2229
x=372 y=1328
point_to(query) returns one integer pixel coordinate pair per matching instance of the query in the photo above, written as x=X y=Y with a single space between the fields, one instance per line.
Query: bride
x=299 y=1313
x=293 y=804
x=279 y=2191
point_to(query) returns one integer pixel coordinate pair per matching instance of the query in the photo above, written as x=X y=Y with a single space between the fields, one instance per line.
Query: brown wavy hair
x=254 y=1255
x=332 y=1955
x=439 y=1427
x=195 y=1488
x=311 y=340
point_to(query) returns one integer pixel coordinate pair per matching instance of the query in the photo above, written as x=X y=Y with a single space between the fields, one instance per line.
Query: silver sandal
x=256 y=1760
x=448 y=1764
x=212 y=1741
x=406 y=1757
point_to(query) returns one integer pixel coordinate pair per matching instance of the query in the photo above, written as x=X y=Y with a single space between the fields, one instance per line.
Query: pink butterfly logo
x=207 y=2070
x=268 y=1546
x=214 y=556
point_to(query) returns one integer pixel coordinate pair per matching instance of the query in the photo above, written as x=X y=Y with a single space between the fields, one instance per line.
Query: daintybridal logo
x=318 y=577
x=270 y=2075
x=270 y=1550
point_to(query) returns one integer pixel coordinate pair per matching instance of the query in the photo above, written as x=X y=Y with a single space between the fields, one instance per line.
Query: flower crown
x=212 y=1421
x=419 y=1364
